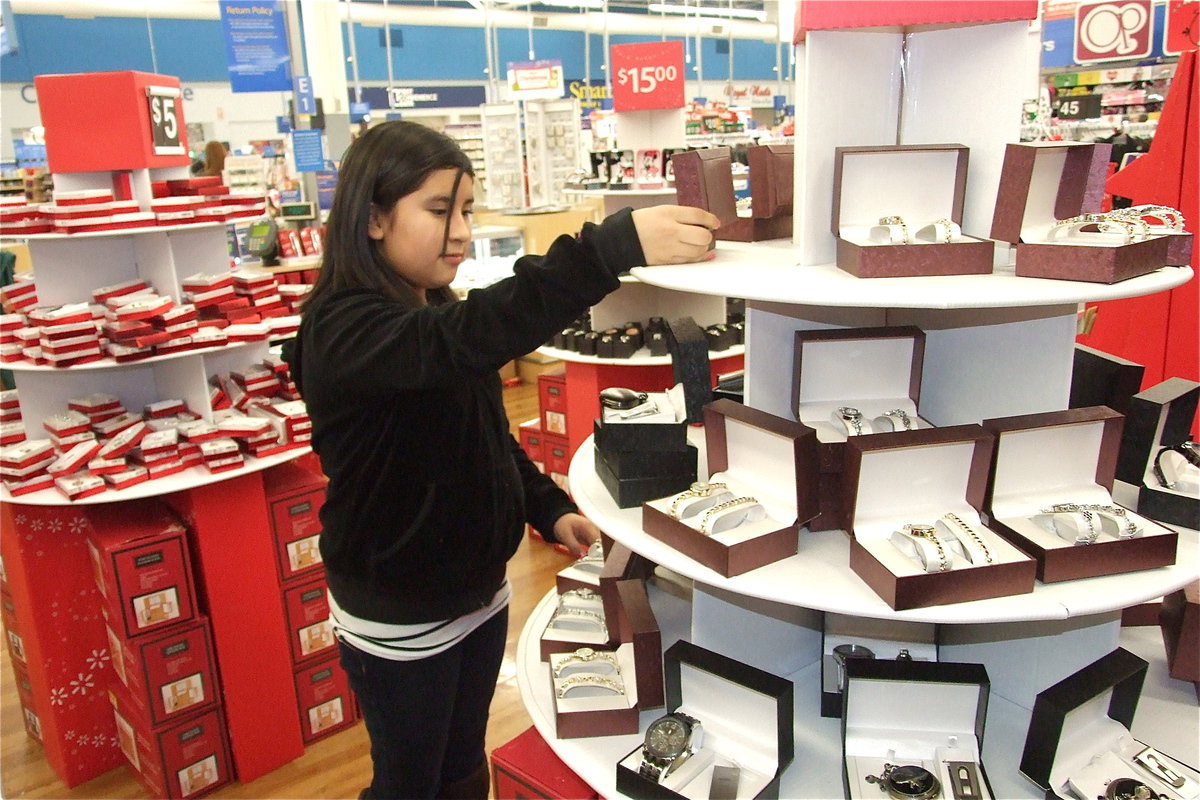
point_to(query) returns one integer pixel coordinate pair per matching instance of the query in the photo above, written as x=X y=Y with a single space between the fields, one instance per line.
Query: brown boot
x=473 y=787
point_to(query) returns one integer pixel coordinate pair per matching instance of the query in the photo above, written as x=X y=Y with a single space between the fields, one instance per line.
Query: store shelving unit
x=503 y=155
x=996 y=345
x=553 y=147
x=469 y=136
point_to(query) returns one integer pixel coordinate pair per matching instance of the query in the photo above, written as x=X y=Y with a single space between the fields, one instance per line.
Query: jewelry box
x=845 y=637
x=590 y=706
x=1051 y=494
x=746 y=718
x=916 y=728
x=642 y=452
x=1154 y=453
x=1079 y=744
x=1179 y=620
x=1102 y=379
x=704 y=179
x=1046 y=185
x=761 y=488
x=917 y=535
x=875 y=372
x=898 y=209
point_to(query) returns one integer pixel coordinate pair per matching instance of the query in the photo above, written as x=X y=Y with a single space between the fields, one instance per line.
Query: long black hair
x=386 y=163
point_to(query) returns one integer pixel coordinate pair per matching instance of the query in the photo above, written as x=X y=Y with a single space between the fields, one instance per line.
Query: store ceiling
x=762 y=10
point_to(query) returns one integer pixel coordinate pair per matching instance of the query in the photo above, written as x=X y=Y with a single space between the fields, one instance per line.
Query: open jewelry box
x=704 y=179
x=1051 y=494
x=746 y=720
x=871 y=371
x=917 y=535
x=588 y=597
x=761 y=488
x=642 y=452
x=599 y=692
x=1043 y=183
x=923 y=719
x=845 y=637
x=1079 y=744
x=1156 y=427
x=897 y=212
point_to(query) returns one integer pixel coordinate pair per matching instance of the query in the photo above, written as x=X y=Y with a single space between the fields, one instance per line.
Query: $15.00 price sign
x=647 y=75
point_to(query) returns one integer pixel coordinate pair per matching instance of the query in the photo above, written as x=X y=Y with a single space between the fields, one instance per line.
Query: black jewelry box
x=629 y=492
x=1101 y=379
x=879 y=700
x=885 y=639
x=689 y=362
x=1068 y=731
x=710 y=687
x=1159 y=417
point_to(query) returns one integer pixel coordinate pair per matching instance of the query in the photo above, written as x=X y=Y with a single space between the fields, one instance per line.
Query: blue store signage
x=256 y=46
x=405 y=97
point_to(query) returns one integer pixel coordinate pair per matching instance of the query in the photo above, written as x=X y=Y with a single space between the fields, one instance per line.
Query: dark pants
x=427 y=719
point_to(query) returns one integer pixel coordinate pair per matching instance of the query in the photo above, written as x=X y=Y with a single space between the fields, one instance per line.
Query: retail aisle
x=334 y=767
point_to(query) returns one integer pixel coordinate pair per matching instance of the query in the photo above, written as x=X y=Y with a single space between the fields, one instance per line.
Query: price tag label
x=1079 y=106
x=165 y=120
x=647 y=75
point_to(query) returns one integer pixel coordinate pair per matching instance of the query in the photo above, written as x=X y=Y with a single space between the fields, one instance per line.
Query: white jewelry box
x=916 y=479
x=938 y=726
x=756 y=455
x=1066 y=457
x=1044 y=182
x=747 y=717
x=1079 y=736
x=922 y=184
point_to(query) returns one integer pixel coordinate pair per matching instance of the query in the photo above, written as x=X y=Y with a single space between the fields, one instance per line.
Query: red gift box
x=79 y=486
x=309 y=628
x=526 y=767
x=126 y=476
x=324 y=699
x=294 y=498
x=169 y=674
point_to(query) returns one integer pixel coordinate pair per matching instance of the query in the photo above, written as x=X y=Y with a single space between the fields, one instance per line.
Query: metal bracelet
x=929 y=533
x=954 y=518
x=579 y=680
x=720 y=509
x=586 y=655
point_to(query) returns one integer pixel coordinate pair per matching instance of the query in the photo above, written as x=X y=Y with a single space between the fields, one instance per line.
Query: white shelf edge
x=635 y=360
x=109 y=363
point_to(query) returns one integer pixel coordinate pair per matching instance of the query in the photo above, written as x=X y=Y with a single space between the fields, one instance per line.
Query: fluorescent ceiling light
x=707 y=11
x=571 y=4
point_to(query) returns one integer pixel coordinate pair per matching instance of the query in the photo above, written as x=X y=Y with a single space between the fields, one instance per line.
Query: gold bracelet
x=721 y=508
x=970 y=532
x=894 y=221
x=698 y=489
x=929 y=533
x=586 y=655
x=565 y=613
x=582 y=679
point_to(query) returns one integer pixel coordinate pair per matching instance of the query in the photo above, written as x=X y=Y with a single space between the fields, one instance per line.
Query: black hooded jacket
x=428 y=491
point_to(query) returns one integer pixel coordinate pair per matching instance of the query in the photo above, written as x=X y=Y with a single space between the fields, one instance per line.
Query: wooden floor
x=335 y=767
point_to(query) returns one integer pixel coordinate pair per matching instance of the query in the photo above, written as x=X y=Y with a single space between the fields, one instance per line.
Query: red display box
x=102 y=121
x=309 y=628
x=526 y=767
x=170 y=674
x=531 y=441
x=324 y=699
x=187 y=758
x=141 y=566
x=294 y=499
x=552 y=402
x=822 y=14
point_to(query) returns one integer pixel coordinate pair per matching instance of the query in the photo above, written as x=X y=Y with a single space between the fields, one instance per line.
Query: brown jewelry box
x=870 y=183
x=1179 y=618
x=940 y=468
x=704 y=179
x=723 y=420
x=1041 y=182
x=1076 y=452
x=831 y=454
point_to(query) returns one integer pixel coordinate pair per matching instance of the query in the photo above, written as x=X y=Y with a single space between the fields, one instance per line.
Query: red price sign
x=647 y=75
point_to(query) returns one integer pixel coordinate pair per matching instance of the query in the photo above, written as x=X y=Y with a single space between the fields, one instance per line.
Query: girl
x=428 y=492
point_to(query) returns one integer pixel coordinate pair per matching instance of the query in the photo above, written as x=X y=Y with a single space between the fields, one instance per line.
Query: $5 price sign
x=166 y=122
x=647 y=75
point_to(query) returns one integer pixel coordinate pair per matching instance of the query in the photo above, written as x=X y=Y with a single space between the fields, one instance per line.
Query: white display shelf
x=191 y=226
x=189 y=478
x=616 y=199
x=768 y=272
x=665 y=192
x=638 y=359
x=109 y=363
x=819 y=577
x=1166 y=717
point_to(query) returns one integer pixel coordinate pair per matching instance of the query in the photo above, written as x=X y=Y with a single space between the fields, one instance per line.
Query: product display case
x=995 y=345
x=503 y=156
x=553 y=148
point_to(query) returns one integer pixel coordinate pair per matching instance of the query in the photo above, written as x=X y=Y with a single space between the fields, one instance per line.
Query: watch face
x=667 y=737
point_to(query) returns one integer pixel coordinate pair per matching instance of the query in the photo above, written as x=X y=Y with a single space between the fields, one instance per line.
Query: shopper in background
x=428 y=491
x=214 y=159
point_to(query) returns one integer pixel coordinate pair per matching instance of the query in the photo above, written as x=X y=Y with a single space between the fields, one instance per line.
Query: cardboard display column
x=234 y=555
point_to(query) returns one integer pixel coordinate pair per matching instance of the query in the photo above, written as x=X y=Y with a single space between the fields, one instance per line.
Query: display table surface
x=189 y=478
x=639 y=359
x=616 y=199
x=767 y=272
x=819 y=575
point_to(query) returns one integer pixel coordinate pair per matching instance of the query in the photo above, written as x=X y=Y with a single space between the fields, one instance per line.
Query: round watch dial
x=666 y=737
x=912 y=781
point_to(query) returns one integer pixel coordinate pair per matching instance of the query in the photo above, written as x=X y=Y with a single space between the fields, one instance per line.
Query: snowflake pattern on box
x=69 y=663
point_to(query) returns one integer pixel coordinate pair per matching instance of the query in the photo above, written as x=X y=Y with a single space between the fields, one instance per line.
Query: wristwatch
x=907 y=782
x=670 y=741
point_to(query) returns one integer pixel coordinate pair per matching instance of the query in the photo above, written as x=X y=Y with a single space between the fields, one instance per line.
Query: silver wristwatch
x=670 y=741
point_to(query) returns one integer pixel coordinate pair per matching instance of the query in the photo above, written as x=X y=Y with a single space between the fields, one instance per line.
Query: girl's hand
x=675 y=234
x=576 y=532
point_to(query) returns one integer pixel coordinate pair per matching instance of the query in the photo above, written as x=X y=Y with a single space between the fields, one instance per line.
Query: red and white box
x=106 y=466
x=209 y=297
x=63 y=443
x=79 y=485
x=21 y=294
x=143 y=307
x=185 y=758
x=124 y=440
x=27 y=453
x=95 y=403
x=60 y=315
x=66 y=423
x=141 y=565
x=526 y=767
x=248 y=332
x=170 y=673
x=83 y=197
x=241 y=426
x=74 y=459
x=199 y=431
x=114 y=425
x=34 y=483
x=307 y=608
x=324 y=698
x=311 y=241
x=294 y=499
x=126 y=476
x=163 y=408
x=135 y=286
x=206 y=281
x=123 y=353
x=125 y=331
x=208 y=336
x=73 y=330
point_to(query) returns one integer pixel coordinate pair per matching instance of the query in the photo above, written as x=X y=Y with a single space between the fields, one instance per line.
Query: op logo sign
x=1113 y=31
